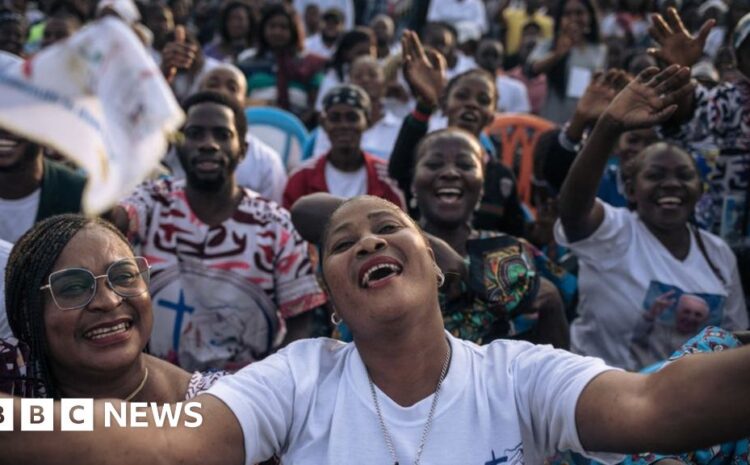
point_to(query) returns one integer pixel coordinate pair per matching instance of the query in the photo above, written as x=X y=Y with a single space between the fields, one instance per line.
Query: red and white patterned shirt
x=220 y=294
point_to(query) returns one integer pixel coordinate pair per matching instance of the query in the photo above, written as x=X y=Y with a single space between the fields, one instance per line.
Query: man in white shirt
x=324 y=42
x=513 y=97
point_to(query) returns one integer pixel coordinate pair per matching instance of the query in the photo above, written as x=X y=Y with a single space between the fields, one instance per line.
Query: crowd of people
x=393 y=295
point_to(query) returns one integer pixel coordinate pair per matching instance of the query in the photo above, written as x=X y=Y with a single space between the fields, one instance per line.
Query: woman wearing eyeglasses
x=78 y=298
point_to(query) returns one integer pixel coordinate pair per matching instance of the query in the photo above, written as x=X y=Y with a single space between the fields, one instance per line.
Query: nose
x=208 y=144
x=449 y=172
x=104 y=299
x=369 y=245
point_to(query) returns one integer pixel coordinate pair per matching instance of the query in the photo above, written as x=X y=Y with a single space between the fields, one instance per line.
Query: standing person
x=236 y=33
x=345 y=170
x=385 y=30
x=536 y=85
x=230 y=273
x=570 y=59
x=517 y=16
x=513 y=96
x=633 y=261
x=281 y=73
x=324 y=42
x=33 y=187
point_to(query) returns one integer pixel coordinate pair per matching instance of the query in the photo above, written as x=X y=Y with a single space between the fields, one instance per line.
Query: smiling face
x=15 y=152
x=378 y=265
x=448 y=178
x=344 y=125
x=122 y=325
x=212 y=148
x=367 y=74
x=470 y=103
x=665 y=188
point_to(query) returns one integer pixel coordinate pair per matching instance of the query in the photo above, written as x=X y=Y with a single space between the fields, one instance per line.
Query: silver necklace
x=428 y=423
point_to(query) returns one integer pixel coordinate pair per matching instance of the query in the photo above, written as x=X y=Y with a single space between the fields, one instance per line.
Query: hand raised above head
x=650 y=99
x=678 y=46
x=600 y=92
x=423 y=70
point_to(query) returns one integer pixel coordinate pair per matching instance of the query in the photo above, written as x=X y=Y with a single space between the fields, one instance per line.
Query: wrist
x=424 y=108
x=609 y=123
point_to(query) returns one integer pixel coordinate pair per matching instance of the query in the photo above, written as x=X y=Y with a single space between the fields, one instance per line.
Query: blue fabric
x=283 y=120
x=609 y=187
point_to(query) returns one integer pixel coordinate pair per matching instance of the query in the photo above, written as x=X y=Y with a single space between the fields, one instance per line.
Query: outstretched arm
x=648 y=100
x=218 y=440
x=692 y=403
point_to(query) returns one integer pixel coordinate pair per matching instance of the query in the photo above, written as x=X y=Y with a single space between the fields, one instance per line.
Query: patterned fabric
x=469 y=315
x=718 y=137
x=202 y=381
x=348 y=94
x=15 y=375
x=220 y=294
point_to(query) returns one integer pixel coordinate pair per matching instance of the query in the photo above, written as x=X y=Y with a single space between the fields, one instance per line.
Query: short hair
x=297 y=33
x=210 y=96
x=226 y=9
x=30 y=263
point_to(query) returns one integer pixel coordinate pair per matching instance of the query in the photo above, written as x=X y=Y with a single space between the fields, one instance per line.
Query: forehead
x=666 y=155
x=452 y=143
x=362 y=210
x=478 y=82
x=94 y=248
x=279 y=19
x=210 y=114
x=343 y=108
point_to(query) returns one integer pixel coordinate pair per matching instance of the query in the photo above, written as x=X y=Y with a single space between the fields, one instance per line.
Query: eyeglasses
x=76 y=287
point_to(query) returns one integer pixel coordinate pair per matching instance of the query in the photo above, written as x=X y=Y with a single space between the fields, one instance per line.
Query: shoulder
x=302 y=360
x=256 y=210
x=716 y=246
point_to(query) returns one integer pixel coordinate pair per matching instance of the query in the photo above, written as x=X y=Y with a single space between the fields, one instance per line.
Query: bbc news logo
x=78 y=415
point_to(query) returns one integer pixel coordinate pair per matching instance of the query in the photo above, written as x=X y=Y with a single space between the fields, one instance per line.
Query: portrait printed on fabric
x=669 y=317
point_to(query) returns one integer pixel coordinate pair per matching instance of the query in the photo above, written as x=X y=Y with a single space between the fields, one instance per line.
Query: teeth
x=103 y=332
x=670 y=201
x=389 y=266
x=8 y=143
x=449 y=191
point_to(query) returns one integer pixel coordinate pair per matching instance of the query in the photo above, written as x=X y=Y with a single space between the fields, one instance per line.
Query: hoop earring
x=335 y=319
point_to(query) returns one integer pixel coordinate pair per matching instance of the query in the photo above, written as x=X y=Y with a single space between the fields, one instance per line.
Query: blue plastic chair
x=281 y=130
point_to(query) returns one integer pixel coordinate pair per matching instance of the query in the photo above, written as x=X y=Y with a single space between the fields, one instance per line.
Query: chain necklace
x=139 y=388
x=428 y=423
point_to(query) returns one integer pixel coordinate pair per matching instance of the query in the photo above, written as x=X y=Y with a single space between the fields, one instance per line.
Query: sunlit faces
x=448 y=178
x=377 y=264
x=278 y=32
x=211 y=149
x=108 y=333
x=344 y=125
x=665 y=187
x=226 y=80
x=471 y=103
x=367 y=74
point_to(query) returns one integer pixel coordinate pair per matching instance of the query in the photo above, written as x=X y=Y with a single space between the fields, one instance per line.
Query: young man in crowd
x=512 y=94
x=230 y=274
x=324 y=42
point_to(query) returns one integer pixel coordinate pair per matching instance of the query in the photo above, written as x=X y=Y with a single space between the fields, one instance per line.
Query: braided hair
x=29 y=265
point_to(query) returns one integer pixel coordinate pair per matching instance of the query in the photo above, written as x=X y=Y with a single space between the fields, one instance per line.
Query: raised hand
x=600 y=93
x=678 y=46
x=650 y=99
x=177 y=55
x=424 y=71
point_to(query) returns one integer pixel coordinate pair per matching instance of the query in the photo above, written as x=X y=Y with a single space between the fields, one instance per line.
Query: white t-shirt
x=513 y=96
x=458 y=11
x=346 y=184
x=261 y=170
x=314 y=44
x=311 y=403
x=346 y=7
x=5 y=331
x=17 y=216
x=377 y=140
x=624 y=269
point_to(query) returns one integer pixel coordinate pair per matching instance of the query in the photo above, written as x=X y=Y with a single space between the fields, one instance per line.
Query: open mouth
x=469 y=117
x=103 y=332
x=669 y=202
x=378 y=274
x=8 y=146
x=207 y=165
x=449 y=195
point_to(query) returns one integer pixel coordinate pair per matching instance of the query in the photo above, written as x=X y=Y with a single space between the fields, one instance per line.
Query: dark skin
x=344 y=125
x=21 y=167
x=647 y=101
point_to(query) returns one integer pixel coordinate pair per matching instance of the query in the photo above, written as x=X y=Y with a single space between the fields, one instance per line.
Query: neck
x=114 y=385
x=376 y=110
x=346 y=159
x=455 y=235
x=676 y=241
x=214 y=208
x=22 y=180
x=406 y=365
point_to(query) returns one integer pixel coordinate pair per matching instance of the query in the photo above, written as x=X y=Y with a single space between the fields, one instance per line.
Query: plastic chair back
x=518 y=135
x=281 y=130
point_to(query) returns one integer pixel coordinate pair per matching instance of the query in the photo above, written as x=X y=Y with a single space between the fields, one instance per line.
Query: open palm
x=651 y=98
x=423 y=70
x=678 y=46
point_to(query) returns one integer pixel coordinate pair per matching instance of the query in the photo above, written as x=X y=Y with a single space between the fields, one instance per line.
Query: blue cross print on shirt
x=180 y=308
x=496 y=461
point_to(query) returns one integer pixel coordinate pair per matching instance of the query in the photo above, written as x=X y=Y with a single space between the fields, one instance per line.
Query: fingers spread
x=675 y=23
x=673 y=81
x=706 y=29
x=645 y=75
x=660 y=28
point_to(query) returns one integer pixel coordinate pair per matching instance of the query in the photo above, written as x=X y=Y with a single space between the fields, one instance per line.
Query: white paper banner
x=99 y=99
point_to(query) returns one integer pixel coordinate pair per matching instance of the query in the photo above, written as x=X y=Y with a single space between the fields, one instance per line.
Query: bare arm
x=647 y=101
x=218 y=440
x=693 y=403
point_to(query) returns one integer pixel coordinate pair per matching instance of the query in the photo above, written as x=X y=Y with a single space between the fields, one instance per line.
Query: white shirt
x=623 y=267
x=330 y=80
x=5 y=331
x=463 y=63
x=346 y=7
x=314 y=44
x=18 y=215
x=377 y=140
x=311 y=403
x=457 y=11
x=261 y=170
x=346 y=184
x=513 y=96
